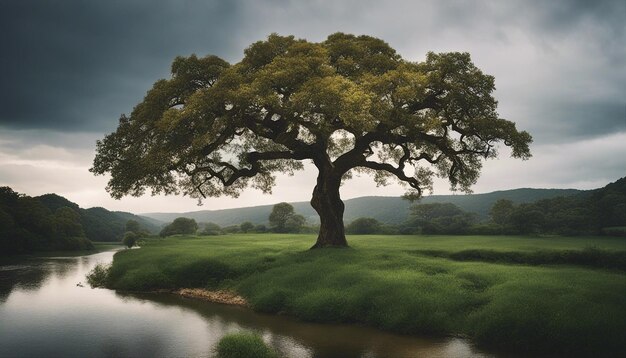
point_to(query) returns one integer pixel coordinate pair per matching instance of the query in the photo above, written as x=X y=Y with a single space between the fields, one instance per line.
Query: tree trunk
x=327 y=202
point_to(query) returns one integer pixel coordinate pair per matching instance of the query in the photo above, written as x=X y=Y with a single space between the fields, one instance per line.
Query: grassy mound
x=243 y=345
x=569 y=308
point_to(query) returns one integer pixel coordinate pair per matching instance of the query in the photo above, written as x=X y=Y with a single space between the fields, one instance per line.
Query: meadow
x=552 y=295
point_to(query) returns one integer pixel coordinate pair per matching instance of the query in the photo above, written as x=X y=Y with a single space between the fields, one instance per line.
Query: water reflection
x=45 y=314
x=29 y=276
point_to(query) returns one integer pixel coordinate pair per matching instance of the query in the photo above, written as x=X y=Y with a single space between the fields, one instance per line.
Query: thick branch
x=430 y=102
x=363 y=145
x=277 y=131
x=228 y=174
x=397 y=171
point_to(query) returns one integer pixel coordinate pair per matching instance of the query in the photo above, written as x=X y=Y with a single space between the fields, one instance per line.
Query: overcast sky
x=69 y=68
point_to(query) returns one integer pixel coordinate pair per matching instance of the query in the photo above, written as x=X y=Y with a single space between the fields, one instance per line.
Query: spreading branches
x=348 y=103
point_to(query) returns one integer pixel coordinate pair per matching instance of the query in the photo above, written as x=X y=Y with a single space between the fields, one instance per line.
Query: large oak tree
x=347 y=104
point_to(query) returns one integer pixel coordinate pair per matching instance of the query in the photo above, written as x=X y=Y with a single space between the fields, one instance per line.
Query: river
x=47 y=310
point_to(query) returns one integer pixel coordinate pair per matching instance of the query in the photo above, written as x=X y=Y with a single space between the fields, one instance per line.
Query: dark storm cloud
x=579 y=120
x=76 y=65
x=563 y=16
x=599 y=105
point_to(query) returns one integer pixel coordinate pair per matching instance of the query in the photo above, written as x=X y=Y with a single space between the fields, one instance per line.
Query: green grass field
x=558 y=295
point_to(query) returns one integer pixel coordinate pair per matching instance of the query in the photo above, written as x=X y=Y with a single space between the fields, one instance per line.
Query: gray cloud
x=70 y=68
x=74 y=65
x=77 y=65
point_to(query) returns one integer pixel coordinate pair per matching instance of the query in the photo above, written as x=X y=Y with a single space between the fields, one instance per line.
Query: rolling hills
x=99 y=223
x=386 y=209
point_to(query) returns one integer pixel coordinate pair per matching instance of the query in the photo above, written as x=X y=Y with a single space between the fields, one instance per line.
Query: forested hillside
x=600 y=211
x=99 y=223
x=27 y=225
x=51 y=222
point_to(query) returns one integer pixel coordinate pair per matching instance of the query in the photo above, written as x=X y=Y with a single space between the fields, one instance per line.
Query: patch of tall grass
x=243 y=345
x=99 y=276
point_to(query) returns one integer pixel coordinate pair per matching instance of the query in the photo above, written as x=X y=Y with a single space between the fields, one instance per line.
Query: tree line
x=598 y=212
x=282 y=219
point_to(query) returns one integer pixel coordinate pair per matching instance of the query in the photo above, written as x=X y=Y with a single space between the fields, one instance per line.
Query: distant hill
x=149 y=224
x=389 y=210
x=54 y=201
x=52 y=222
x=481 y=203
x=28 y=225
x=99 y=223
x=609 y=204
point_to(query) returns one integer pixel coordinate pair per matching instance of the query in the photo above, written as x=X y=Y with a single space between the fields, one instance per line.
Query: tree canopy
x=347 y=104
x=284 y=219
x=246 y=226
x=130 y=239
x=441 y=218
x=362 y=226
x=180 y=225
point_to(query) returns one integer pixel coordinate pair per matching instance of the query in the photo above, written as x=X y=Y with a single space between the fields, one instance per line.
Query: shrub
x=180 y=226
x=260 y=228
x=233 y=229
x=211 y=229
x=363 y=226
x=243 y=345
x=130 y=239
x=98 y=276
x=246 y=226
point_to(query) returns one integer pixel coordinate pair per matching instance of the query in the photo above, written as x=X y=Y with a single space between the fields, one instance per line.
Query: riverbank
x=396 y=284
x=44 y=313
x=215 y=296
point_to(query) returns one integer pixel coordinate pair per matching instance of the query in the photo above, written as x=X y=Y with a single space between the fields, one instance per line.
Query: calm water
x=43 y=313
